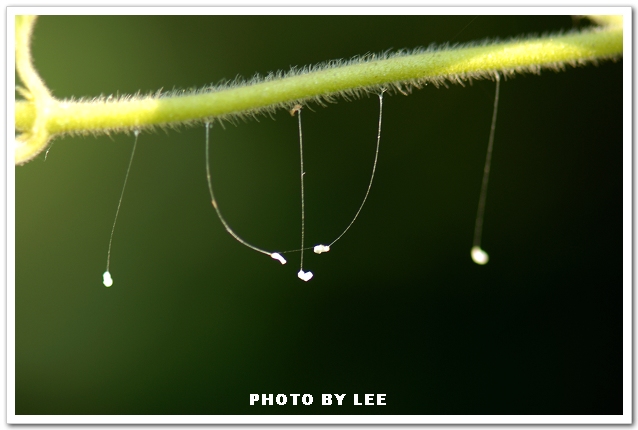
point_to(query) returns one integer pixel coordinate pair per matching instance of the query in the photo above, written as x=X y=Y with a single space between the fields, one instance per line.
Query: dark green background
x=195 y=322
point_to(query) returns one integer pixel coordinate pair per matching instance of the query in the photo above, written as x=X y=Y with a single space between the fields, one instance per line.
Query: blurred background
x=195 y=322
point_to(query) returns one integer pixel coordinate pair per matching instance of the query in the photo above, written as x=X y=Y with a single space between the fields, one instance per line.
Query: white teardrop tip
x=278 y=257
x=479 y=256
x=108 y=281
x=321 y=248
x=305 y=276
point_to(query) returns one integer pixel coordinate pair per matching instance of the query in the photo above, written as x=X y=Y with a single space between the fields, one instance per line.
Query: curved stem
x=35 y=137
x=403 y=71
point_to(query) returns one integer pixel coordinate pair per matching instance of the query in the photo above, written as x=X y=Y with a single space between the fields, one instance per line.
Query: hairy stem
x=401 y=71
x=37 y=134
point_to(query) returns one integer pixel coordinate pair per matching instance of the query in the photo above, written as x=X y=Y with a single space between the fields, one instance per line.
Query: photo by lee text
x=326 y=399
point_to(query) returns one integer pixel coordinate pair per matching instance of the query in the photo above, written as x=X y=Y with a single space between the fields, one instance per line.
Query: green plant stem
x=37 y=134
x=452 y=64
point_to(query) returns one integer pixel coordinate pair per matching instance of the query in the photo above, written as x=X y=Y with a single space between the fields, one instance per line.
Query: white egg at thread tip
x=479 y=256
x=305 y=276
x=108 y=281
x=278 y=257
